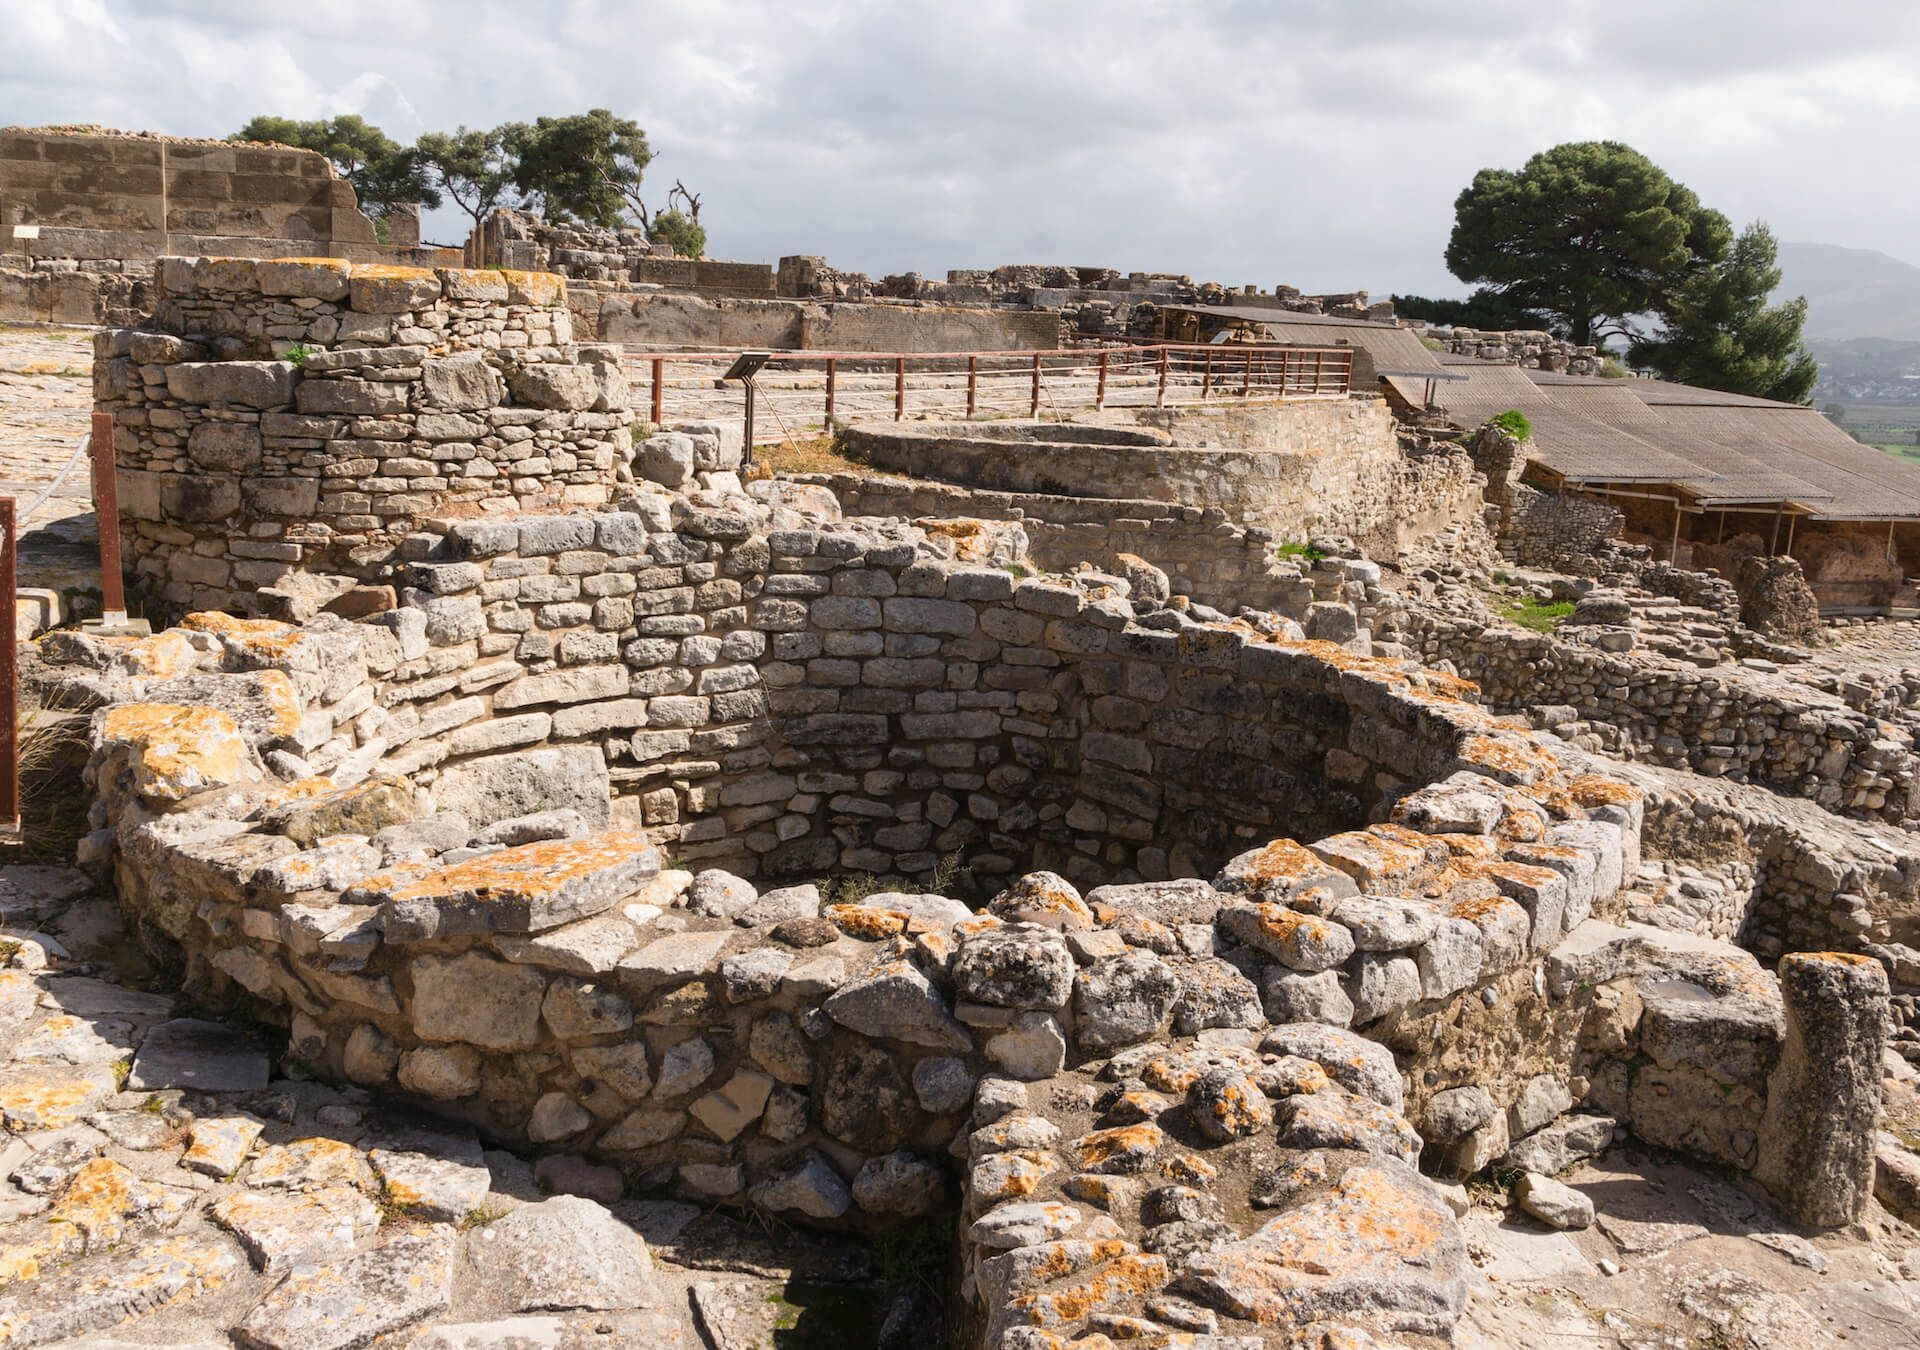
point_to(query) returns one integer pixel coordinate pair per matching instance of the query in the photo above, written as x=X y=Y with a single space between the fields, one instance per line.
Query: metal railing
x=808 y=391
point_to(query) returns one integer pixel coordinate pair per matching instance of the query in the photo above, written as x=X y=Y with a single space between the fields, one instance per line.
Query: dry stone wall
x=290 y=416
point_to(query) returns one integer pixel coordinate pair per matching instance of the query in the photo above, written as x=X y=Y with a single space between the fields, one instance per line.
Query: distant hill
x=1852 y=292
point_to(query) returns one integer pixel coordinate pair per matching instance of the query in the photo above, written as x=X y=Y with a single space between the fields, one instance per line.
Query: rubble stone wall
x=275 y=416
x=810 y=702
x=664 y=320
x=1846 y=761
x=1556 y=529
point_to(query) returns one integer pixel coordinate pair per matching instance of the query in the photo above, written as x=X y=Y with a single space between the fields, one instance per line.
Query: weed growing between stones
x=1542 y=616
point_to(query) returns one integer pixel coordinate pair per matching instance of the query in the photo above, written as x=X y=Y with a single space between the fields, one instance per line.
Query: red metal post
x=973 y=384
x=1246 y=380
x=10 y=671
x=1100 y=394
x=659 y=390
x=1034 y=408
x=830 y=373
x=1318 y=359
x=899 y=387
x=1206 y=377
x=106 y=514
x=1160 y=398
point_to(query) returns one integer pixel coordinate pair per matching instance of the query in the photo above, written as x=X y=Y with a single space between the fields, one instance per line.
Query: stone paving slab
x=207 y=1056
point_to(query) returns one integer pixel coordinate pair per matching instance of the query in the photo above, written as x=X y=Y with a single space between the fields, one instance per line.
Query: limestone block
x=1817 y=1138
x=517 y=890
x=244 y=384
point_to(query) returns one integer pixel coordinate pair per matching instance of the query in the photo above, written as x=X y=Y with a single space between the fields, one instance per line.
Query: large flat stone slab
x=205 y=1056
x=559 y=1254
x=518 y=890
x=339 y=1305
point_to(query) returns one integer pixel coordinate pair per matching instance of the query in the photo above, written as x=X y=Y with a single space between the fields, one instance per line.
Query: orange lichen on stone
x=1598 y=790
x=1509 y=758
x=866 y=922
x=96 y=1203
x=527 y=871
x=158 y=657
x=978 y=924
x=1124 y=1147
x=177 y=750
x=1280 y=860
x=260 y=637
x=305 y=1163
x=1024 y=1170
x=1047 y=905
x=1133 y=1275
x=1189 y=1170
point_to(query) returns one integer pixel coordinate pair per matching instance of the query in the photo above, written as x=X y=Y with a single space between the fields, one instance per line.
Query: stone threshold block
x=518 y=890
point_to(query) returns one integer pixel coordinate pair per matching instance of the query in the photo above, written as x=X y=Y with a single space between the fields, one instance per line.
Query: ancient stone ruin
x=1063 y=839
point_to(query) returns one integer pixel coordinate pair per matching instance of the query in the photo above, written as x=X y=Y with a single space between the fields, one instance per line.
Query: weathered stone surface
x=341 y=1304
x=438 y=1177
x=896 y=1001
x=1558 y=1146
x=1043 y=898
x=1553 y=1203
x=1224 y=1104
x=566 y=1252
x=107 y=1291
x=518 y=890
x=1816 y=1139
x=1022 y=1225
x=176 y=752
x=217 y=1145
x=1299 y=941
x=1331 y=1257
x=899 y=1183
x=1341 y=1119
x=1015 y=967
x=282 y=1228
x=1353 y=1061
x=944 y=1085
x=1032 y=1046
x=206 y=1056
x=475 y=999
x=1123 y=1000
x=736 y=1104
x=500 y=787
x=1457 y=1111
x=1290 y=996
x=813 y=1189
x=720 y=894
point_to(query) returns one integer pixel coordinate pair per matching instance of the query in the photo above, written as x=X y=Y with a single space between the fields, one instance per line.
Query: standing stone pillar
x=1816 y=1138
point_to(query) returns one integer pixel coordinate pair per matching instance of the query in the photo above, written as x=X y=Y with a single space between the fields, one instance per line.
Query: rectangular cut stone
x=518 y=890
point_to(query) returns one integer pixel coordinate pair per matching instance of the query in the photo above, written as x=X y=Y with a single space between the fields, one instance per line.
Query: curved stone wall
x=303 y=415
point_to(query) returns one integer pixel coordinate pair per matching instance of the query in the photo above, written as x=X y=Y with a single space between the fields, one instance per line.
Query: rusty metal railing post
x=1033 y=408
x=899 y=387
x=973 y=384
x=1160 y=397
x=10 y=672
x=1100 y=394
x=106 y=514
x=659 y=390
x=1246 y=379
x=830 y=375
x=1206 y=378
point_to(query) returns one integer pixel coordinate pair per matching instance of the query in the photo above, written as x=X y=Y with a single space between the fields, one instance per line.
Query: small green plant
x=1514 y=423
x=1542 y=616
x=1295 y=549
x=298 y=354
x=1612 y=369
x=484 y=1215
x=1020 y=571
x=946 y=874
x=849 y=890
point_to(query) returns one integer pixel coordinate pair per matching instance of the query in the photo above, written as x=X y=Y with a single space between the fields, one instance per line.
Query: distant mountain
x=1852 y=292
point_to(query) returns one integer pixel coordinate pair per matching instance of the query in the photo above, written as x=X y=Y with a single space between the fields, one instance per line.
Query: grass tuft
x=1542 y=616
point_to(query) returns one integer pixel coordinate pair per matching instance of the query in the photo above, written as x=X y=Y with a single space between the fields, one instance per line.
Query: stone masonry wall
x=1847 y=761
x=305 y=415
x=817 y=701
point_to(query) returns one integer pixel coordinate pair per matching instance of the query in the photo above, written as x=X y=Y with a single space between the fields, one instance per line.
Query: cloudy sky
x=1316 y=144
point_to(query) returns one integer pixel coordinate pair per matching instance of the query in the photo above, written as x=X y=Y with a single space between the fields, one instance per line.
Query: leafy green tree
x=1718 y=331
x=680 y=232
x=1590 y=233
x=1483 y=309
x=384 y=173
x=584 y=167
x=473 y=168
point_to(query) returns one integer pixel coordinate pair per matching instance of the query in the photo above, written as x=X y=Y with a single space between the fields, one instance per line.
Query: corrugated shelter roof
x=1716 y=448
x=1387 y=346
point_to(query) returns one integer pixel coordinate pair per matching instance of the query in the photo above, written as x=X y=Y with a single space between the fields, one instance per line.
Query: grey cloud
x=1317 y=143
